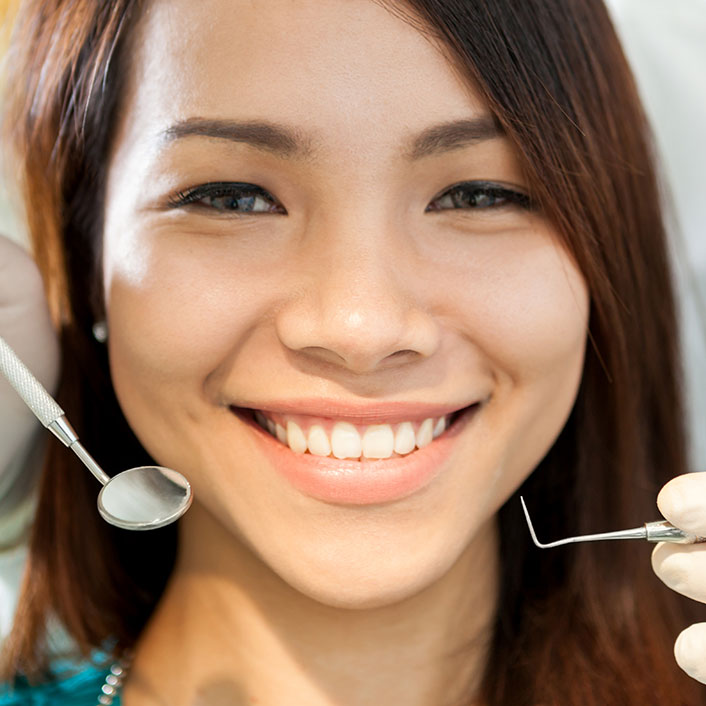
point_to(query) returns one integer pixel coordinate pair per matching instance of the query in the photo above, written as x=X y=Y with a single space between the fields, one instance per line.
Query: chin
x=379 y=574
x=352 y=590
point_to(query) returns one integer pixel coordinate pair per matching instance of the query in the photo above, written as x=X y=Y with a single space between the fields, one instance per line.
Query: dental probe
x=140 y=498
x=659 y=531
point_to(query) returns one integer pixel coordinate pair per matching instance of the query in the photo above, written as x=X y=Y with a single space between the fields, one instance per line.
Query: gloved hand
x=25 y=325
x=682 y=567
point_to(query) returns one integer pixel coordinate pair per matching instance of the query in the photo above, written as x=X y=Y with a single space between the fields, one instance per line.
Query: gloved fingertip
x=681 y=502
x=690 y=651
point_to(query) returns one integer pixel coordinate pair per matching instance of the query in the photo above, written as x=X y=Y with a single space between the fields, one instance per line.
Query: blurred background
x=666 y=44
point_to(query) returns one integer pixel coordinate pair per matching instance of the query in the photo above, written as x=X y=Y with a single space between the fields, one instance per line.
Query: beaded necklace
x=114 y=681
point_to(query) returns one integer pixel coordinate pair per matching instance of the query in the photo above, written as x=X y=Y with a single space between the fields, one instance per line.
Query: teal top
x=73 y=685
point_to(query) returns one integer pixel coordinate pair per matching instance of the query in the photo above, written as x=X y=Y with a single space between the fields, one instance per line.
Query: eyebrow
x=286 y=142
x=278 y=139
x=453 y=135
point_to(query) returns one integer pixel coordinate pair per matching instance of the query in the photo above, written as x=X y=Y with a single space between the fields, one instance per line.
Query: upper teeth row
x=345 y=441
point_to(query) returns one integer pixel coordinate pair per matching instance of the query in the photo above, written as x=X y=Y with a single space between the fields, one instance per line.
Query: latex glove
x=25 y=325
x=682 y=567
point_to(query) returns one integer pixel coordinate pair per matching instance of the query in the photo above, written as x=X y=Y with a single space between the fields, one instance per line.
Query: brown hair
x=586 y=626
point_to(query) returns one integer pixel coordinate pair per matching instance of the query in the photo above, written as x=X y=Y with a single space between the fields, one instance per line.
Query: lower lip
x=348 y=482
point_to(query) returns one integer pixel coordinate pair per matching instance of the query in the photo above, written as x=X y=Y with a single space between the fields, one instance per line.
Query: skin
x=357 y=293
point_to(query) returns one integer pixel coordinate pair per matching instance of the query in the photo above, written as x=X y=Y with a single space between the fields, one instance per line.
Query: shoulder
x=72 y=685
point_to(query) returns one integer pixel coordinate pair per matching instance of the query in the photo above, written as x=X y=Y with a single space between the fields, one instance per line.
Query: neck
x=228 y=630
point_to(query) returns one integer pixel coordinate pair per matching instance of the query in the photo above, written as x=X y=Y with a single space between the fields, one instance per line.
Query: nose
x=359 y=304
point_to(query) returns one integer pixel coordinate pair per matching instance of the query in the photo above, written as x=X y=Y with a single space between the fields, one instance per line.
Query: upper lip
x=378 y=412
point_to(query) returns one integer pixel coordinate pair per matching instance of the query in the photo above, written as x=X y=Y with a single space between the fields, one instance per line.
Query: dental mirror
x=137 y=499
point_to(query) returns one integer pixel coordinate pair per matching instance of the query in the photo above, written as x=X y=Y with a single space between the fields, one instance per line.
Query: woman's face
x=309 y=214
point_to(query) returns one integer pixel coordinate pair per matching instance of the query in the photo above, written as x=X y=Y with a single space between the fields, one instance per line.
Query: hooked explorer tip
x=529 y=523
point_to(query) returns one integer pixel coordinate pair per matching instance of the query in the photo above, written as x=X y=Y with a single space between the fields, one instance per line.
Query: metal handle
x=27 y=386
x=663 y=531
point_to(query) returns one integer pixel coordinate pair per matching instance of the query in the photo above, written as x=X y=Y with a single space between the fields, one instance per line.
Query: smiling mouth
x=326 y=437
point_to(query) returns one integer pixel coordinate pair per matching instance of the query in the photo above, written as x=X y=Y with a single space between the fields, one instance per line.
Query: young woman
x=369 y=270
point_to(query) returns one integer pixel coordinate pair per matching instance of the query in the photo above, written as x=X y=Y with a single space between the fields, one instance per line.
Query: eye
x=228 y=197
x=479 y=195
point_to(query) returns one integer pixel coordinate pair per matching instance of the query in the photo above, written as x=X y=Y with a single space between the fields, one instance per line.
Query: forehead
x=335 y=69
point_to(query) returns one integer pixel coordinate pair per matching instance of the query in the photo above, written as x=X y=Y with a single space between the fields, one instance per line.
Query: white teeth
x=378 y=441
x=318 y=441
x=424 y=433
x=345 y=441
x=404 y=438
x=296 y=438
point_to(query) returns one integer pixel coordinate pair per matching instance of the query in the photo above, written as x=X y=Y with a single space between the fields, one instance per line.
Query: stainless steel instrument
x=140 y=498
x=659 y=531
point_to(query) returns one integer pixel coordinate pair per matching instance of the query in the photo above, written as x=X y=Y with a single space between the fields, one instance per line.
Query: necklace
x=114 y=680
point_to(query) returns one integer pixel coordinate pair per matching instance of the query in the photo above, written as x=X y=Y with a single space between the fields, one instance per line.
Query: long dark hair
x=587 y=626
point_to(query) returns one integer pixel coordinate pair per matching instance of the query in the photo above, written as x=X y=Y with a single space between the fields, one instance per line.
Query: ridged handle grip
x=27 y=386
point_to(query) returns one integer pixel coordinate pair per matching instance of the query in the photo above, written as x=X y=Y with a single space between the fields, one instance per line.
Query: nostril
x=402 y=354
x=401 y=357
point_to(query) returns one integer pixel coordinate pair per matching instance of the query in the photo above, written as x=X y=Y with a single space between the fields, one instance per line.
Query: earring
x=100 y=331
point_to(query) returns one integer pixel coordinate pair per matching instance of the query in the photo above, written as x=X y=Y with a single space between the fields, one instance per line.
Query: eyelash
x=473 y=193
x=222 y=190
x=469 y=195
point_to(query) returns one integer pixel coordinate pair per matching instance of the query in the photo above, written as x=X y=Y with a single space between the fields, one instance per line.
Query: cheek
x=177 y=314
x=526 y=309
x=174 y=309
x=527 y=316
